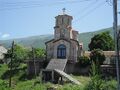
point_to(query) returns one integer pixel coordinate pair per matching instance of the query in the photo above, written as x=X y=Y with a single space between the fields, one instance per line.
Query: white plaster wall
x=50 y=49
x=74 y=50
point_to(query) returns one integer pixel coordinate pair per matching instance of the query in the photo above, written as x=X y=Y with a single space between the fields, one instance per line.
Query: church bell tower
x=63 y=26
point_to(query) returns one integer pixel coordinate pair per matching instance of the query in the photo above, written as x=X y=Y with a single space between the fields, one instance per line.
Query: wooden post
x=12 y=52
x=61 y=80
x=33 y=53
x=52 y=76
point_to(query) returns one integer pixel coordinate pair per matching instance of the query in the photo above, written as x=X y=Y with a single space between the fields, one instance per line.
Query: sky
x=23 y=18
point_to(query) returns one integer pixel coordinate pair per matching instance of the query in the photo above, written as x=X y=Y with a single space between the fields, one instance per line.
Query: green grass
x=20 y=81
x=3 y=69
x=82 y=79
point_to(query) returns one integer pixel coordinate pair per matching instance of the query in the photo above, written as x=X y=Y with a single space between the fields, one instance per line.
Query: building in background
x=3 y=51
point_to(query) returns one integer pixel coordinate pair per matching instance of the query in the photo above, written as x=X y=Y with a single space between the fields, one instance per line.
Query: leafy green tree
x=38 y=53
x=102 y=41
x=97 y=56
x=19 y=55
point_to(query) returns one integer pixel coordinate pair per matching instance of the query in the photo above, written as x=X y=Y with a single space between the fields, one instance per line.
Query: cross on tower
x=63 y=11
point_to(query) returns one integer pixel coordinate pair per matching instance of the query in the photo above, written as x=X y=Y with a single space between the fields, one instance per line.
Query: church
x=65 y=44
x=63 y=50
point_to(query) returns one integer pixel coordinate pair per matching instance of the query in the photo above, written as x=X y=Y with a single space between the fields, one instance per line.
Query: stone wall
x=75 y=68
x=106 y=70
x=39 y=65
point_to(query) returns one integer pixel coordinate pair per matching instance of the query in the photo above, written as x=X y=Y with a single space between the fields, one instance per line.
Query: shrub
x=3 y=85
x=96 y=83
x=97 y=56
x=84 y=60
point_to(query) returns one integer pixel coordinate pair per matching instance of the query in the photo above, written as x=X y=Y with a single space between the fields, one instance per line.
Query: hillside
x=38 y=41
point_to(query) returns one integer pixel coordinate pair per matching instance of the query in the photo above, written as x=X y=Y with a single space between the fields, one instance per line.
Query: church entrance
x=61 y=51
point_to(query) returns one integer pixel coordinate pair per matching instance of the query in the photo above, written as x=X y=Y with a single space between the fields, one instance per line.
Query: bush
x=96 y=83
x=84 y=60
x=101 y=85
x=97 y=56
x=110 y=85
x=3 y=85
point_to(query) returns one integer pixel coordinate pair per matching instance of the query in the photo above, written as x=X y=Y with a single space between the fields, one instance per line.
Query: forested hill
x=38 y=41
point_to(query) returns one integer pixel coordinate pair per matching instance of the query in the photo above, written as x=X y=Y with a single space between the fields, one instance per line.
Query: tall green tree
x=15 y=55
x=102 y=41
x=18 y=56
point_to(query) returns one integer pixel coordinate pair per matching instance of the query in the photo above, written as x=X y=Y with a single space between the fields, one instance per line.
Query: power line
x=90 y=11
x=30 y=4
x=86 y=8
x=12 y=3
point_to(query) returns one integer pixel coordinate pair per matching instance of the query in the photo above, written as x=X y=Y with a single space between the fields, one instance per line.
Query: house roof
x=57 y=64
x=3 y=49
x=75 y=41
x=49 y=41
x=61 y=39
x=53 y=40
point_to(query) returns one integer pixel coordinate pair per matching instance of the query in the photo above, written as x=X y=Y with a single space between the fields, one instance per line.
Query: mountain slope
x=35 y=41
x=38 y=41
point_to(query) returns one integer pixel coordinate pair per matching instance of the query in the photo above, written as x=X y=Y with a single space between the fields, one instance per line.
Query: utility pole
x=12 y=52
x=116 y=41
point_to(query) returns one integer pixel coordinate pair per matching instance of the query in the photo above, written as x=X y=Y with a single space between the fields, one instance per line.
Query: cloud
x=5 y=35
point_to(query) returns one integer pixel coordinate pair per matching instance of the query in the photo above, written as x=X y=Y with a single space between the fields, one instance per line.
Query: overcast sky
x=23 y=18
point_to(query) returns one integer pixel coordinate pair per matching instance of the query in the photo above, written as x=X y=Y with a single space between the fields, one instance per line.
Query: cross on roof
x=63 y=11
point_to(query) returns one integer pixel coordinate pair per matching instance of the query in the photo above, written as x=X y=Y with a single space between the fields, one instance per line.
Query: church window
x=61 y=51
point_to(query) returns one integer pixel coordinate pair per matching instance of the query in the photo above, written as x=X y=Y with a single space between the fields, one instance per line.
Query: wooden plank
x=68 y=77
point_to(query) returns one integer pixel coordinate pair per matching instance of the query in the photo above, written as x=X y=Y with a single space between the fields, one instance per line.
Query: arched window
x=61 y=51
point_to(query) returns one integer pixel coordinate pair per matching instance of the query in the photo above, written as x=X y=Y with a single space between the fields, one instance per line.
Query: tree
x=97 y=56
x=95 y=83
x=38 y=53
x=15 y=55
x=19 y=55
x=102 y=41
